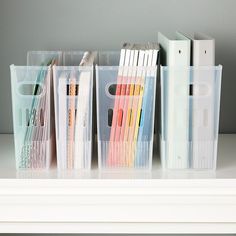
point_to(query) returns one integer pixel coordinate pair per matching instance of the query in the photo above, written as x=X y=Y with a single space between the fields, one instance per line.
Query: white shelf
x=119 y=202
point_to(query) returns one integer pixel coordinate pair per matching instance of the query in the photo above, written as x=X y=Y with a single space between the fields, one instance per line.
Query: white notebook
x=202 y=123
x=176 y=52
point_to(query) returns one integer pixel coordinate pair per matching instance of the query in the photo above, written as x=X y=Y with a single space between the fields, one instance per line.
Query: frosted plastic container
x=72 y=58
x=125 y=123
x=43 y=58
x=190 y=104
x=31 y=89
x=73 y=112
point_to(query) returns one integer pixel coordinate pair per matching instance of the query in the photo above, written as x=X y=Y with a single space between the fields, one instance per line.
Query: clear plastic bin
x=73 y=87
x=125 y=122
x=31 y=89
x=190 y=104
x=44 y=58
x=72 y=58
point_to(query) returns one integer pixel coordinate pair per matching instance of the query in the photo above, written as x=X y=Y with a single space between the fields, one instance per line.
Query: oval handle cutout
x=112 y=89
x=30 y=89
x=72 y=90
x=125 y=89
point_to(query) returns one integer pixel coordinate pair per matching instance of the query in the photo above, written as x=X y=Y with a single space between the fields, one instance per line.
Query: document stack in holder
x=31 y=99
x=190 y=102
x=125 y=106
x=73 y=84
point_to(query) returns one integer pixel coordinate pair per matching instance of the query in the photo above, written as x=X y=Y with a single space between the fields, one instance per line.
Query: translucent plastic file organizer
x=44 y=58
x=73 y=112
x=31 y=89
x=125 y=123
x=190 y=104
x=72 y=58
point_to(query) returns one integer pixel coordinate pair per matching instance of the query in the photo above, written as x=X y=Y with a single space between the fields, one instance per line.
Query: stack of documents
x=133 y=112
x=73 y=107
x=31 y=91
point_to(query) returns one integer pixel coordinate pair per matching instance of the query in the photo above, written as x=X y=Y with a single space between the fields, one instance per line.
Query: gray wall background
x=106 y=24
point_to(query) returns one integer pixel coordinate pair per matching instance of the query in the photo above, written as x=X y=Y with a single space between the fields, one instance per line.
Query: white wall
x=106 y=24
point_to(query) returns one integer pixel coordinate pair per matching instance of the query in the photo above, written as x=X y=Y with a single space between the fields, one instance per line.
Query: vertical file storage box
x=73 y=112
x=44 y=58
x=31 y=90
x=125 y=120
x=72 y=58
x=190 y=104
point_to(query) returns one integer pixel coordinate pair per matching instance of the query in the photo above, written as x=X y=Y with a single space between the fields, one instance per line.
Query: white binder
x=203 y=54
x=176 y=54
